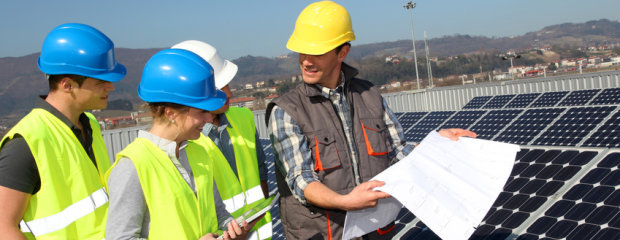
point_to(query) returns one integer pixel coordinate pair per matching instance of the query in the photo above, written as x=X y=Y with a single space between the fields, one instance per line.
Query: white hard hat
x=224 y=70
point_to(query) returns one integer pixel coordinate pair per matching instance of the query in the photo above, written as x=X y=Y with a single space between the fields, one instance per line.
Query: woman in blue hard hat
x=161 y=185
x=52 y=162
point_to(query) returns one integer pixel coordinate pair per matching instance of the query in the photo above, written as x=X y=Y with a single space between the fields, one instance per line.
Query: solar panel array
x=607 y=135
x=498 y=101
x=425 y=125
x=578 y=98
x=522 y=100
x=573 y=126
x=548 y=99
x=477 y=102
x=565 y=183
x=608 y=96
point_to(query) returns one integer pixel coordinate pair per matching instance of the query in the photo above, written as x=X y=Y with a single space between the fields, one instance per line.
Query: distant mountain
x=22 y=81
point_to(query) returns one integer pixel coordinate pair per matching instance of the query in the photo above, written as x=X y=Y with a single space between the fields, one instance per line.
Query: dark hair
x=341 y=46
x=158 y=108
x=55 y=79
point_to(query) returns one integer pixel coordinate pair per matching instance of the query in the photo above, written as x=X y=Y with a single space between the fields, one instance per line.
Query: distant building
x=247 y=102
x=260 y=84
x=392 y=59
x=249 y=86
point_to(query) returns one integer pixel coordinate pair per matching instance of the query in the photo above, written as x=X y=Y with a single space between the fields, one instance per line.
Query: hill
x=23 y=81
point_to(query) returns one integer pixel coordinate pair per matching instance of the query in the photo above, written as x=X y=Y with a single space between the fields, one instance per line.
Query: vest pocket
x=324 y=151
x=375 y=136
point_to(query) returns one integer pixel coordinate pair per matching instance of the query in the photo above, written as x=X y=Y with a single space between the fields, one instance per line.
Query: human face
x=93 y=93
x=191 y=123
x=323 y=69
x=229 y=95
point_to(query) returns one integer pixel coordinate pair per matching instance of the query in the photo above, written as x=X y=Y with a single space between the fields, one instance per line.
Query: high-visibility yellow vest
x=243 y=193
x=176 y=213
x=72 y=202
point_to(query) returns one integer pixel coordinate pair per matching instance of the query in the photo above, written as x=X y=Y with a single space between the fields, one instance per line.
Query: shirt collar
x=41 y=103
x=327 y=92
x=166 y=145
x=223 y=121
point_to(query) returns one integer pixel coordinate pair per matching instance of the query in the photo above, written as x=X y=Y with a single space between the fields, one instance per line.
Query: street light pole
x=511 y=57
x=410 y=7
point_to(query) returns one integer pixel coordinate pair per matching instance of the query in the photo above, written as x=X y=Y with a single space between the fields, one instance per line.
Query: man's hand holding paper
x=449 y=185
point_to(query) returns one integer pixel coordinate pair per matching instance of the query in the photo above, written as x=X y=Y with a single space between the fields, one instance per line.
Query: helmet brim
x=115 y=75
x=212 y=103
x=208 y=103
x=226 y=75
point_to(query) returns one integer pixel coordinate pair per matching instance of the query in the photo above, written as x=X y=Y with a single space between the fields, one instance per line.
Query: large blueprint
x=449 y=185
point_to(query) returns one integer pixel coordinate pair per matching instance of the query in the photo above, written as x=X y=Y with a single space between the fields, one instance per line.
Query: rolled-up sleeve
x=292 y=156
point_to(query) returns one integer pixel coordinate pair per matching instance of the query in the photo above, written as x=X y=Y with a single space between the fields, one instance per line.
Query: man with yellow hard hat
x=332 y=133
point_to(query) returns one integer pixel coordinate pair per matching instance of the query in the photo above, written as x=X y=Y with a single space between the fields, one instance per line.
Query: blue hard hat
x=182 y=77
x=79 y=49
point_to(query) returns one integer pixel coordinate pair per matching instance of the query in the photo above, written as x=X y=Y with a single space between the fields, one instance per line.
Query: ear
x=169 y=113
x=66 y=84
x=344 y=51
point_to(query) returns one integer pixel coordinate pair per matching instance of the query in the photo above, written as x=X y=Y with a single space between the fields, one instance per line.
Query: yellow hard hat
x=321 y=27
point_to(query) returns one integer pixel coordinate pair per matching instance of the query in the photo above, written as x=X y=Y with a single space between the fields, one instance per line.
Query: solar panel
x=573 y=126
x=498 y=101
x=462 y=119
x=549 y=99
x=607 y=135
x=528 y=125
x=607 y=96
x=579 y=98
x=429 y=123
x=538 y=175
x=477 y=102
x=493 y=122
x=398 y=114
x=522 y=100
x=589 y=209
x=409 y=119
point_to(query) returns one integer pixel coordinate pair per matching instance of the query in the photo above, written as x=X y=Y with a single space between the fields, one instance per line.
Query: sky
x=262 y=28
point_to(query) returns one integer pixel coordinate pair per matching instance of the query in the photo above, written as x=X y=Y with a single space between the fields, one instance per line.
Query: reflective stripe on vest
x=238 y=201
x=264 y=232
x=67 y=216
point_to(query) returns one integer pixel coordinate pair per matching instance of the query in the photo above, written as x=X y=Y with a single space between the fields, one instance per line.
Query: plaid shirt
x=293 y=157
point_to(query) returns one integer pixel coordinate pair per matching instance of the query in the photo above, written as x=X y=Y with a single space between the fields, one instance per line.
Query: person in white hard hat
x=233 y=131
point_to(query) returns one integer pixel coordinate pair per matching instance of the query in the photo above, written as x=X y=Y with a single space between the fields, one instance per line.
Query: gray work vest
x=320 y=124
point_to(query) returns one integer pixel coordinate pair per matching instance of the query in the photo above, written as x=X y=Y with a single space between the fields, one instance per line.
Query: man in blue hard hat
x=52 y=162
